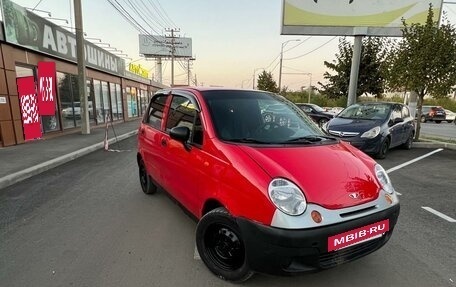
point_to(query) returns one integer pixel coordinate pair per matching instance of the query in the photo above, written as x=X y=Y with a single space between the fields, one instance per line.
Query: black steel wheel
x=383 y=149
x=147 y=186
x=221 y=247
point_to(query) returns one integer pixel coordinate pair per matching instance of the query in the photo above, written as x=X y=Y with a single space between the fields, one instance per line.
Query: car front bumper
x=370 y=146
x=287 y=251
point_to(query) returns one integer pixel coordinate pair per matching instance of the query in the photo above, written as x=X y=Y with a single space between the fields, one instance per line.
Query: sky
x=231 y=40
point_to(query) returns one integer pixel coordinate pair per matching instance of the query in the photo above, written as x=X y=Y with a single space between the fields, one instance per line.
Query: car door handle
x=163 y=142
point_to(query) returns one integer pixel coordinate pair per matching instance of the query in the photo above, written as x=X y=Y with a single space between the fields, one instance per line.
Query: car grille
x=342 y=134
x=332 y=259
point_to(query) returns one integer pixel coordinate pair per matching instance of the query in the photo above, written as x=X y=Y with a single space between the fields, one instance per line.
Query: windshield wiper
x=248 y=140
x=310 y=139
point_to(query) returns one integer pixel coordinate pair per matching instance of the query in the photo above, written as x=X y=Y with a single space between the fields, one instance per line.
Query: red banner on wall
x=29 y=107
x=46 y=88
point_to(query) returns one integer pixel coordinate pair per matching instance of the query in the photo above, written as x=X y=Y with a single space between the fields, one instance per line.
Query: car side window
x=183 y=113
x=156 y=108
x=396 y=113
x=405 y=112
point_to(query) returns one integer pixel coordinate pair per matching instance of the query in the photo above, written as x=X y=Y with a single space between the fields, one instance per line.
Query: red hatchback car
x=270 y=196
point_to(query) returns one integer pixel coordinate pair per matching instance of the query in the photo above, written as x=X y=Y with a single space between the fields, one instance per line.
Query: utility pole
x=281 y=60
x=158 y=70
x=82 y=84
x=173 y=51
x=188 y=70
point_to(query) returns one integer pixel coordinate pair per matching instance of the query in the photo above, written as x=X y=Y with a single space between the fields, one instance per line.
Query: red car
x=275 y=196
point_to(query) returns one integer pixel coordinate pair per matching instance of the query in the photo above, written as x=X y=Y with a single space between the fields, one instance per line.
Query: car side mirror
x=181 y=134
x=398 y=120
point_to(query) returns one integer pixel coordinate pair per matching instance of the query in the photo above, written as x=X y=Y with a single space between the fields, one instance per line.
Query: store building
x=26 y=39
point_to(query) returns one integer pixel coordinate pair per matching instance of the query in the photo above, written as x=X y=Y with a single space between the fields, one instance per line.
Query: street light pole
x=281 y=60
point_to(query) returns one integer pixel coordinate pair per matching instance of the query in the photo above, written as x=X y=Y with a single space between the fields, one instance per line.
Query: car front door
x=184 y=169
x=396 y=126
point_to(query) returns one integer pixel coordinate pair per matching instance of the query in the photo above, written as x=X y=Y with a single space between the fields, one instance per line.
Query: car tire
x=147 y=185
x=383 y=149
x=322 y=122
x=221 y=247
x=438 y=122
x=408 y=144
x=423 y=119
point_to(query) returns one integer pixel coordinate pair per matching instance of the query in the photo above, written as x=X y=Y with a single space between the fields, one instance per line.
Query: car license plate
x=358 y=235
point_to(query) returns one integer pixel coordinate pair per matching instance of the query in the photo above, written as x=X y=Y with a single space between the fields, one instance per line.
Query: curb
x=47 y=165
x=434 y=144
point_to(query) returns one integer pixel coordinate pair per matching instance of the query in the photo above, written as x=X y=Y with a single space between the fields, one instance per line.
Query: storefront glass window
x=98 y=101
x=132 y=102
x=70 y=109
x=90 y=96
x=119 y=102
x=106 y=106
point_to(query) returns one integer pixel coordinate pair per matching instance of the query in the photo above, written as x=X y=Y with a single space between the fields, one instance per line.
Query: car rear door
x=151 y=134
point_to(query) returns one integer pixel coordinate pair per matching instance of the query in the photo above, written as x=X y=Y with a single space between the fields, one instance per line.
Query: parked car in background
x=261 y=190
x=317 y=113
x=450 y=116
x=374 y=127
x=335 y=110
x=433 y=113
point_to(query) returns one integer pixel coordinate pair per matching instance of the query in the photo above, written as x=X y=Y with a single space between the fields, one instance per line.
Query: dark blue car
x=374 y=127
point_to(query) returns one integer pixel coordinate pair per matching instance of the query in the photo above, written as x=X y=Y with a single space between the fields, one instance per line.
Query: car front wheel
x=221 y=247
x=383 y=149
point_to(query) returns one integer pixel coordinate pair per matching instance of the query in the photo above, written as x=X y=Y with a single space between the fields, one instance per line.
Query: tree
x=424 y=61
x=371 y=70
x=266 y=82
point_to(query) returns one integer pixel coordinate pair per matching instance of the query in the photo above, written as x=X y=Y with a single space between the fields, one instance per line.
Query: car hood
x=353 y=125
x=333 y=176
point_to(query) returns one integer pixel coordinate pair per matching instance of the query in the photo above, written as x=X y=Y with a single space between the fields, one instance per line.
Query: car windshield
x=259 y=117
x=318 y=108
x=366 y=112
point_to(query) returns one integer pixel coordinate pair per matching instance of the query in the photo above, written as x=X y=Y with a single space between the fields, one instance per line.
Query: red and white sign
x=46 y=88
x=358 y=235
x=29 y=107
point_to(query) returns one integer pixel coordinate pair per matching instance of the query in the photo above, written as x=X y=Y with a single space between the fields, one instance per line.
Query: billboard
x=27 y=29
x=354 y=17
x=159 y=46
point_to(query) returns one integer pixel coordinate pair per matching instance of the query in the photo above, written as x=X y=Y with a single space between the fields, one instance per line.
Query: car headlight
x=372 y=133
x=287 y=197
x=384 y=179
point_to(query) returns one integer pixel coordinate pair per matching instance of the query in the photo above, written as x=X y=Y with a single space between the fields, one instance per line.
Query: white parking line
x=439 y=214
x=413 y=160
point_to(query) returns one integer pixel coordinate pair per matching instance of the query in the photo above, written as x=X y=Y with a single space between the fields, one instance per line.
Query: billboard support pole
x=356 y=59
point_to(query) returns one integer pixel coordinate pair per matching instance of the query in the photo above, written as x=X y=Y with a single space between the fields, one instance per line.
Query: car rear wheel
x=221 y=247
x=438 y=122
x=383 y=149
x=322 y=122
x=408 y=144
x=147 y=186
x=423 y=119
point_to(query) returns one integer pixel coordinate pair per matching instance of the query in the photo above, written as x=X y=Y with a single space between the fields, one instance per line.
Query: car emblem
x=354 y=195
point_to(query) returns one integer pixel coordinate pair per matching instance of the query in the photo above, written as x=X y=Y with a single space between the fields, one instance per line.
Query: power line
x=37 y=4
x=313 y=49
